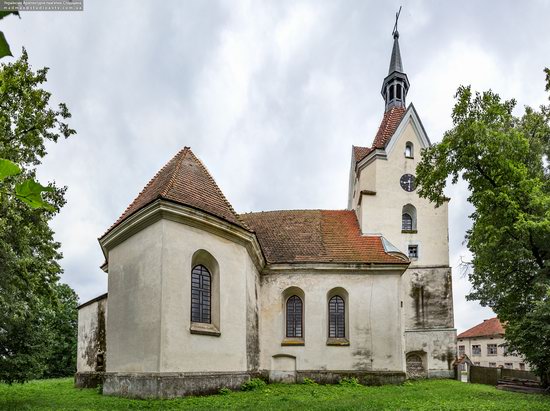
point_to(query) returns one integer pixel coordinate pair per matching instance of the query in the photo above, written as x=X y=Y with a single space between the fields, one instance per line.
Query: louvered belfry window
x=294 y=316
x=201 y=294
x=336 y=317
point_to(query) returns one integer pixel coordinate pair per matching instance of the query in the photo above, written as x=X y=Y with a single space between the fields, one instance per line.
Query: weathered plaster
x=439 y=346
x=427 y=298
x=186 y=352
x=135 y=297
x=375 y=333
x=91 y=344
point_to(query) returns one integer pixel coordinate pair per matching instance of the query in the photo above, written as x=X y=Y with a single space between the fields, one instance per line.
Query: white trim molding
x=162 y=209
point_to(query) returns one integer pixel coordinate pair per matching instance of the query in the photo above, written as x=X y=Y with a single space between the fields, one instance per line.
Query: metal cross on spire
x=395 y=33
x=396 y=83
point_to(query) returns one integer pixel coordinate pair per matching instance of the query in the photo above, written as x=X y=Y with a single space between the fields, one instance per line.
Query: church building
x=201 y=297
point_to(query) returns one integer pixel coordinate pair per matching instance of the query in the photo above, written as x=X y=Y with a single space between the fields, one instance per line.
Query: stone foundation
x=441 y=374
x=89 y=379
x=171 y=385
x=364 y=377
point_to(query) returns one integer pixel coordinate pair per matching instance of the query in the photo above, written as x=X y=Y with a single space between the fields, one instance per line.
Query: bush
x=308 y=381
x=349 y=382
x=224 y=391
x=253 y=384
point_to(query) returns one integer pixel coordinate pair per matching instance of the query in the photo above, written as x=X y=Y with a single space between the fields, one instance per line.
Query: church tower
x=382 y=192
x=396 y=83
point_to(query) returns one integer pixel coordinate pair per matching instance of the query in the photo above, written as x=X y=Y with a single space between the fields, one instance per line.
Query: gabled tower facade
x=383 y=195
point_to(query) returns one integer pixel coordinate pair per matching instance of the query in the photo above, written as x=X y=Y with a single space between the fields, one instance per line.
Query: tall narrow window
x=409 y=150
x=392 y=87
x=407 y=222
x=336 y=317
x=294 y=317
x=201 y=295
x=399 y=92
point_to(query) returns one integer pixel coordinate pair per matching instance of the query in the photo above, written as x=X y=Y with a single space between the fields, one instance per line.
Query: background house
x=484 y=344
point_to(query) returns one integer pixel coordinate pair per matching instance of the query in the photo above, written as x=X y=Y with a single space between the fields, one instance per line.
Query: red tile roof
x=486 y=328
x=359 y=153
x=323 y=236
x=387 y=128
x=389 y=124
x=184 y=180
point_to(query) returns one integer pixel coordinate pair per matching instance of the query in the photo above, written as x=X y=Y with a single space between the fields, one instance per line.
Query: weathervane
x=395 y=33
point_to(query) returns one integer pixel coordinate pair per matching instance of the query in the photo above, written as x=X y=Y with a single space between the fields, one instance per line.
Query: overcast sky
x=269 y=94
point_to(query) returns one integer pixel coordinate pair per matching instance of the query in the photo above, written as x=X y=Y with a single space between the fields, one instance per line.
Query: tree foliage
x=504 y=160
x=4 y=46
x=32 y=302
x=62 y=321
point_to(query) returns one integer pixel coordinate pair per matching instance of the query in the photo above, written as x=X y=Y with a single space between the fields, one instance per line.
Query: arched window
x=399 y=92
x=336 y=317
x=409 y=152
x=408 y=218
x=201 y=295
x=407 y=223
x=392 y=92
x=294 y=317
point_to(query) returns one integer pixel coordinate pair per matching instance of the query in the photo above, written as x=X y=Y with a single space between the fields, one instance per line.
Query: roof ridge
x=175 y=182
x=316 y=236
x=491 y=326
x=360 y=152
x=219 y=191
x=151 y=180
x=294 y=209
x=388 y=126
x=179 y=157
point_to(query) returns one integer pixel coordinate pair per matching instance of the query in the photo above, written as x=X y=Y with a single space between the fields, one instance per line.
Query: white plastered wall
x=381 y=213
x=133 y=329
x=88 y=346
x=149 y=297
x=427 y=285
x=181 y=350
x=375 y=326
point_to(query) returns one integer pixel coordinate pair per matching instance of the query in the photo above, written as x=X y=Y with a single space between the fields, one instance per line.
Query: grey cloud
x=270 y=95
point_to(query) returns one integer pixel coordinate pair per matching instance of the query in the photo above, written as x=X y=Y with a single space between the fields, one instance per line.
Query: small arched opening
x=409 y=150
x=408 y=218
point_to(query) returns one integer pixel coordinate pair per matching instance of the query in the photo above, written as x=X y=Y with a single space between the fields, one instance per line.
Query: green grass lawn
x=60 y=394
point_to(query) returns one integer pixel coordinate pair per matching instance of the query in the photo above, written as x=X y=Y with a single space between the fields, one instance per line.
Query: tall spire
x=396 y=84
x=395 y=63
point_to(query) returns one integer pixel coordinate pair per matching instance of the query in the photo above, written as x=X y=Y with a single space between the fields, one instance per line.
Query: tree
x=504 y=159
x=30 y=293
x=4 y=46
x=62 y=321
x=29 y=190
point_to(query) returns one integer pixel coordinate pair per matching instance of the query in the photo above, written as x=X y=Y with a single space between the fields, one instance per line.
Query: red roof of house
x=184 y=180
x=323 y=236
x=487 y=327
x=387 y=128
